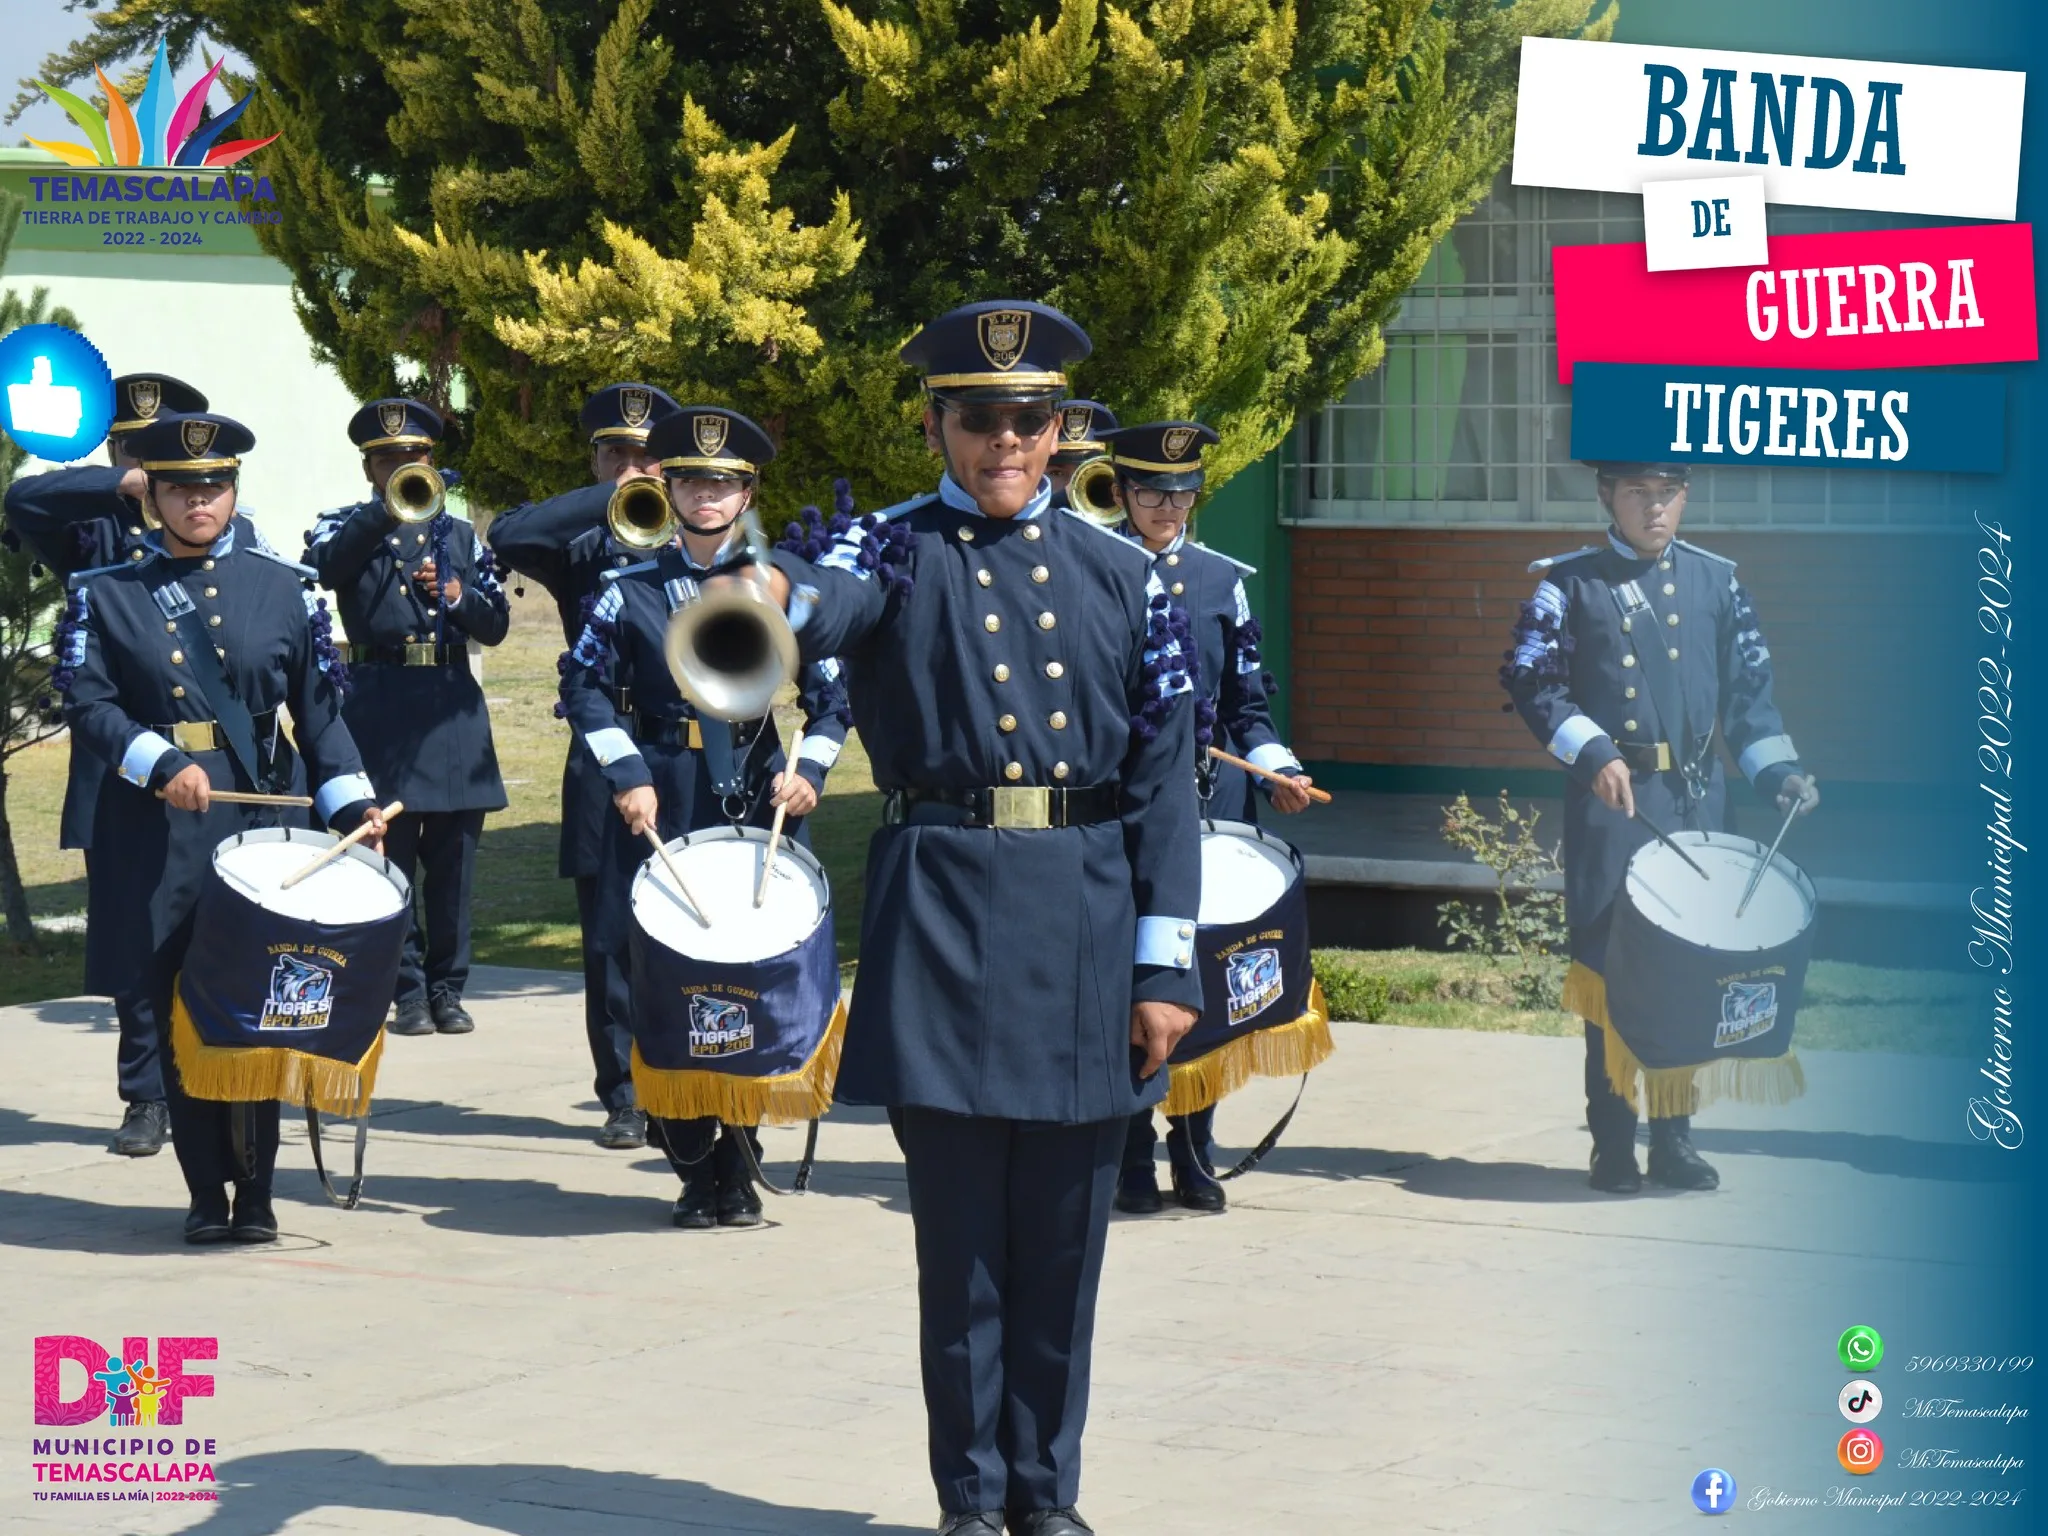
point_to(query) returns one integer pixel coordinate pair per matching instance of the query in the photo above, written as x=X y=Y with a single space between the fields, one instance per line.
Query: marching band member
x=1158 y=478
x=79 y=519
x=1082 y=425
x=173 y=669
x=563 y=544
x=414 y=590
x=672 y=771
x=1026 y=966
x=1624 y=661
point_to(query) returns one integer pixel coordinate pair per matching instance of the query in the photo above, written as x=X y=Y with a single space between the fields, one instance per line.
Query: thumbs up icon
x=43 y=407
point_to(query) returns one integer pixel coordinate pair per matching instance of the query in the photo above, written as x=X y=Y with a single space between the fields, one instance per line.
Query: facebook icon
x=1713 y=1492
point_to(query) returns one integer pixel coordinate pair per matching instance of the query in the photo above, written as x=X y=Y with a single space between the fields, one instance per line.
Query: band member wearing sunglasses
x=1159 y=476
x=1027 y=965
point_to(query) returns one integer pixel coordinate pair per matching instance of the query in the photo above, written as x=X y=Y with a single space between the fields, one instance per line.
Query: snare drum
x=283 y=992
x=1262 y=1012
x=1687 y=981
x=739 y=1018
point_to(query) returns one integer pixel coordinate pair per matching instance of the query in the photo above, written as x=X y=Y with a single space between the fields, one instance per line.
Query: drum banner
x=274 y=1007
x=1751 y=1078
x=747 y=1042
x=1263 y=1014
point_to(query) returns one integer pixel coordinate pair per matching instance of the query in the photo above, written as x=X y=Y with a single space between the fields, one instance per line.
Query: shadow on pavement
x=1898 y=1156
x=264 y=1494
x=24 y=1130
x=1448 y=1178
x=437 y=1117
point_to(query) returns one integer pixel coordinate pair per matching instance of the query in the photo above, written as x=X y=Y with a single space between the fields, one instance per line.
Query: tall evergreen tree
x=760 y=200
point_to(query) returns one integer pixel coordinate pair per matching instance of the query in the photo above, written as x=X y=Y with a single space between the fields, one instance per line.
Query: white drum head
x=358 y=887
x=1702 y=912
x=722 y=866
x=1244 y=872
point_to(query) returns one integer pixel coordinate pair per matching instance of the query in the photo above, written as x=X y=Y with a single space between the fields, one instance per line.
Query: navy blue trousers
x=137 y=1068
x=607 y=1008
x=1012 y=1217
x=436 y=851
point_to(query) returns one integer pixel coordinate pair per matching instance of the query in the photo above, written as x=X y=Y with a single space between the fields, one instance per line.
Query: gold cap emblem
x=709 y=432
x=198 y=436
x=634 y=406
x=144 y=396
x=1003 y=334
x=391 y=417
x=1074 y=423
x=1174 y=444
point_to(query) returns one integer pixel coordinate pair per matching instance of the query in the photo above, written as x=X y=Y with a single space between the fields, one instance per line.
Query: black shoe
x=1051 y=1522
x=254 y=1221
x=450 y=1017
x=143 y=1129
x=978 y=1522
x=1615 y=1171
x=739 y=1205
x=624 y=1127
x=207 y=1221
x=1675 y=1165
x=697 y=1210
x=1194 y=1186
x=413 y=1019
x=1137 y=1191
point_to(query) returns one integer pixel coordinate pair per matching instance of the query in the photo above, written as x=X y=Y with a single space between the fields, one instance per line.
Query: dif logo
x=78 y=1381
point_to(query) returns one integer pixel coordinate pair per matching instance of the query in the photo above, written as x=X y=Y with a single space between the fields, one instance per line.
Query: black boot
x=1612 y=1120
x=1051 y=1522
x=688 y=1145
x=739 y=1203
x=207 y=1221
x=697 y=1210
x=254 y=1221
x=1194 y=1185
x=1614 y=1168
x=1673 y=1163
x=625 y=1127
x=143 y=1129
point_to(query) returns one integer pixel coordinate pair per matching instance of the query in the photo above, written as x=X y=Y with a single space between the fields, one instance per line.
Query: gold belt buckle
x=1024 y=806
x=696 y=736
x=193 y=736
x=420 y=653
x=1663 y=757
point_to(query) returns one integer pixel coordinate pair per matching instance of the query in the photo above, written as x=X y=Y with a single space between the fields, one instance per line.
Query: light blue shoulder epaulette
x=304 y=571
x=1243 y=569
x=78 y=579
x=889 y=514
x=627 y=570
x=1682 y=544
x=1549 y=560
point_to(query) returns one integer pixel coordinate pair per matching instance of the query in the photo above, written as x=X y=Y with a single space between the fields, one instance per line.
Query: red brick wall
x=1398 y=636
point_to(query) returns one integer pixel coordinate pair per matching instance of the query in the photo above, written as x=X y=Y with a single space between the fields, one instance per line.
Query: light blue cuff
x=142 y=756
x=1167 y=941
x=343 y=789
x=822 y=750
x=609 y=745
x=1572 y=736
x=1769 y=752
x=803 y=602
x=1272 y=757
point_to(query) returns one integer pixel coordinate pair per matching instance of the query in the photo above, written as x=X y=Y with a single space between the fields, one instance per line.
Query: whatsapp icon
x=1859 y=1348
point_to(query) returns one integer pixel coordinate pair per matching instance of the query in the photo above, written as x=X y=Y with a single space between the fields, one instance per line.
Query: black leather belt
x=206 y=735
x=1658 y=756
x=667 y=733
x=1033 y=807
x=412 y=654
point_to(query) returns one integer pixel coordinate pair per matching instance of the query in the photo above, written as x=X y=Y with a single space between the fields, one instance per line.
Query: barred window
x=1465 y=424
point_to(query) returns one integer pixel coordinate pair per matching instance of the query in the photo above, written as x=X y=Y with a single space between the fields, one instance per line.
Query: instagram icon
x=1859 y=1451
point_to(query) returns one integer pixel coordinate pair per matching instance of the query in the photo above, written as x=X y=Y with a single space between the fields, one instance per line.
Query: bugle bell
x=414 y=493
x=732 y=648
x=639 y=514
x=1090 y=491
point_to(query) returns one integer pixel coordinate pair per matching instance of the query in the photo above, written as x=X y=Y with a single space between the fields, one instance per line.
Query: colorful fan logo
x=153 y=132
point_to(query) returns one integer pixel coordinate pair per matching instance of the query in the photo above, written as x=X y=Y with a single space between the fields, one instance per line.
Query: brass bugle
x=639 y=514
x=414 y=493
x=1091 y=491
x=732 y=648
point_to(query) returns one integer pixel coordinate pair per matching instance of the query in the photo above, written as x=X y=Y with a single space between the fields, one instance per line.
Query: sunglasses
x=987 y=420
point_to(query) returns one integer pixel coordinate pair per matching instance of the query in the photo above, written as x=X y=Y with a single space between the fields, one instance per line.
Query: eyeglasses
x=1148 y=500
x=987 y=420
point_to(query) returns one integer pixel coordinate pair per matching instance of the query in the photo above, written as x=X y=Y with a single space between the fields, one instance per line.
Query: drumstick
x=329 y=855
x=1665 y=838
x=237 y=797
x=696 y=907
x=1756 y=876
x=1320 y=796
x=796 y=745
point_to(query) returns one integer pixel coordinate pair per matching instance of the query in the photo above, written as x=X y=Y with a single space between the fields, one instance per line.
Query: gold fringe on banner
x=1283 y=1050
x=1679 y=1090
x=674 y=1093
x=248 y=1074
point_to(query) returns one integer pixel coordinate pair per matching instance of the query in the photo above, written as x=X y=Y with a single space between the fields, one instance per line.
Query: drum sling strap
x=1270 y=1140
x=210 y=681
x=349 y=1201
x=799 y=1185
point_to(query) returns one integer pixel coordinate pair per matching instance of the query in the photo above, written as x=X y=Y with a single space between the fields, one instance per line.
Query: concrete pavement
x=1415 y=1317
